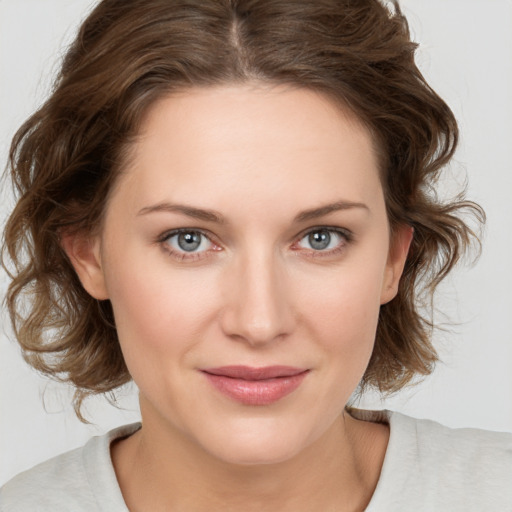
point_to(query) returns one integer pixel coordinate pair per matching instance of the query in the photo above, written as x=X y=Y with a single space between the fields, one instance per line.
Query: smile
x=255 y=386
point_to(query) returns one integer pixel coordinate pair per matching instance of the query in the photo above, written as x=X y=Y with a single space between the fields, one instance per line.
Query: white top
x=427 y=468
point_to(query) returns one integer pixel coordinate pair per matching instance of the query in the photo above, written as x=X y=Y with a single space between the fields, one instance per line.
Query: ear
x=399 y=248
x=84 y=253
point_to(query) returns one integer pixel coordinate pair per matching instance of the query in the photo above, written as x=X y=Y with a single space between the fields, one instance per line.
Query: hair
x=128 y=54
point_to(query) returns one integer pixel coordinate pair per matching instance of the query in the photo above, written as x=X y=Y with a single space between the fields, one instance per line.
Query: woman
x=228 y=202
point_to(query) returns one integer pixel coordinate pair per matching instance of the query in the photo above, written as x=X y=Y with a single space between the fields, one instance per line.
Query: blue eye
x=188 y=241
x=322 y=240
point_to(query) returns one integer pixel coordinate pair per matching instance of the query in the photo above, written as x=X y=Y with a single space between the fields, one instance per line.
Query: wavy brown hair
x=129 y=53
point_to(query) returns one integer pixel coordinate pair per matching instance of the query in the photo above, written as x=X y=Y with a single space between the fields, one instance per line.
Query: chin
x=258 y=443
x=256 y=454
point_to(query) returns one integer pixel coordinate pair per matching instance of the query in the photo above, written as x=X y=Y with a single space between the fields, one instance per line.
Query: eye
x=188 y=241
x=323 y=239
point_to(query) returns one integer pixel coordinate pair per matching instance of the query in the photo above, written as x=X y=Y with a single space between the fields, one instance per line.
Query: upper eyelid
x=206 y=232
x=337 y=229
x=342 y=231
x=173 y=232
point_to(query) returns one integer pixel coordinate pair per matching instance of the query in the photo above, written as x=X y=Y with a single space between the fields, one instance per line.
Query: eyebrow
x=216 y=217
x=189 y=211
x=315 y=213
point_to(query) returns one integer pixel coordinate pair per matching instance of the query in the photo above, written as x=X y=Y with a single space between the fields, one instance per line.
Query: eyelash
x=183 y=255
x=345 y=235
x=163 y=240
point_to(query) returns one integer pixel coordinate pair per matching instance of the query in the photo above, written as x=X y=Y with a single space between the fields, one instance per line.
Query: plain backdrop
x=466 y=54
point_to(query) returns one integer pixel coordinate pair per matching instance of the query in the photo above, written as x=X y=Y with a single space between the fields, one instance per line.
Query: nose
x=257 y=307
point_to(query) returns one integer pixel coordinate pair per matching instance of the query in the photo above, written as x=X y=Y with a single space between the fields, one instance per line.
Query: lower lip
x=256 y=392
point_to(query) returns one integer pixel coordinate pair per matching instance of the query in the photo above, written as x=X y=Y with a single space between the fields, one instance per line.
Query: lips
x=255 y=386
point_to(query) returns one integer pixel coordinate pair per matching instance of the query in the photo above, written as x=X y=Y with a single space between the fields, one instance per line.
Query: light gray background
x=466 y=53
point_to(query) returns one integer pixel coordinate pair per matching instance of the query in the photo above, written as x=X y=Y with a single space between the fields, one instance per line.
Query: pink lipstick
x=255 y=386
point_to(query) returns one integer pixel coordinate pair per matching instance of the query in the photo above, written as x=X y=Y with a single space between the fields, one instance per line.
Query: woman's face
x=246 y=253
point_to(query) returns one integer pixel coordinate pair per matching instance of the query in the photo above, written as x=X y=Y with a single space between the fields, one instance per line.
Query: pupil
x=320 y=239
x=189 y=241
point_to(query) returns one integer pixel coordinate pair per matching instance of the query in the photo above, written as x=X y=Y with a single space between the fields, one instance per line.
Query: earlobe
x=402 y=238
x=85 y=256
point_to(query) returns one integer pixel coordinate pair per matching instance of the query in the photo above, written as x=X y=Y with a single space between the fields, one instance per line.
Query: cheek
x=159 y=309
x=342 y=315
x=344 y=308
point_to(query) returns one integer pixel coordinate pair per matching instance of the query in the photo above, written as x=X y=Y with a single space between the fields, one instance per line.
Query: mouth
x=255 y=386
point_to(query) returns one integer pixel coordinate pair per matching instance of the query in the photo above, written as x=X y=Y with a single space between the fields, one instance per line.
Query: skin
x=255 y=293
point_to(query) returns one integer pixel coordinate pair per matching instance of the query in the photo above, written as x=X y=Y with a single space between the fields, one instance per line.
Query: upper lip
x=252 y=373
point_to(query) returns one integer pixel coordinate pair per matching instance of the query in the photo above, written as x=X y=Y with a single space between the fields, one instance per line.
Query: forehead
x=252 y=141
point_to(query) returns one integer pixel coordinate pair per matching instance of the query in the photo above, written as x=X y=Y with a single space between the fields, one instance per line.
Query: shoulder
x=462 y=448
x=80 y=480
x=448 y=469
x=44 y=486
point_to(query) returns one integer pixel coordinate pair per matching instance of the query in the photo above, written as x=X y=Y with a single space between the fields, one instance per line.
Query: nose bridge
x=257 y=307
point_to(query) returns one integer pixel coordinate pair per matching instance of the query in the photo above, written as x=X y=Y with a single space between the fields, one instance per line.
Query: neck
x=159 y=468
